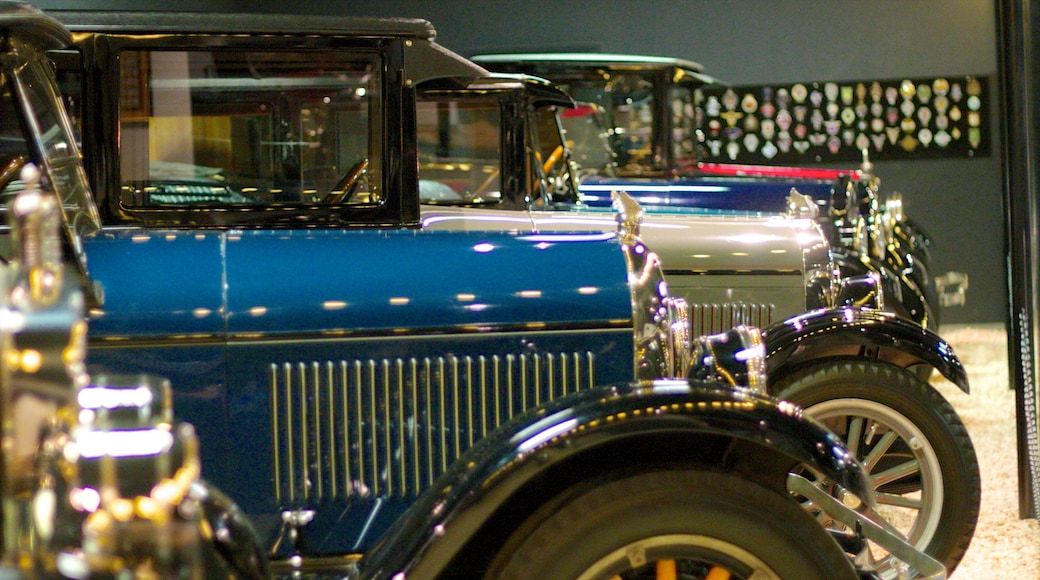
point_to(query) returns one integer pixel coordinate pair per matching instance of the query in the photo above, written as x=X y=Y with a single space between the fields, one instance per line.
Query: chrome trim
x=821 y=273
x=36 y=234
x=125 y=341
x=654 y=332
x=861 y=292
x=716 y=318
x=390 y=427
x=722 y=272
x=801 y=206
x=736 y=357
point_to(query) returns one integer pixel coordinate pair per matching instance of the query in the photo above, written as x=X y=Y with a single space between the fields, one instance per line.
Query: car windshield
x=589 y=139
x=231 y=127
x=625 y=110
x=626 y=101
x=34 y=128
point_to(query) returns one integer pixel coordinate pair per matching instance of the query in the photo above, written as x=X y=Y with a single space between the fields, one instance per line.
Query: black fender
x=865 y=333
x=471 y=509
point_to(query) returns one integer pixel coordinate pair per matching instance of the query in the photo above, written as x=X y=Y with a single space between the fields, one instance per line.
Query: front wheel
x=911 y=441
x=687 y=524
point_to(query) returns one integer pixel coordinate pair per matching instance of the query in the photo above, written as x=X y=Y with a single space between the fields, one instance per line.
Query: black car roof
x=216 y=23
x=539 y=92
x=428 y=59
x=28 y=23
x=581 y=60
x=591 y=58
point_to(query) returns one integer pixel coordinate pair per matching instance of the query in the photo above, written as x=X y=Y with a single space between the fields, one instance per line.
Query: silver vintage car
x=493 y=155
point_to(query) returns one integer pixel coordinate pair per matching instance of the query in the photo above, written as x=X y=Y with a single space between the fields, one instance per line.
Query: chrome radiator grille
x=715 y=318
x=390 y=427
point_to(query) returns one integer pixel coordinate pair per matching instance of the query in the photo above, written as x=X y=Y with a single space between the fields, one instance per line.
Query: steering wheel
x=11 y=170
x=345 y=187
x=552 y=159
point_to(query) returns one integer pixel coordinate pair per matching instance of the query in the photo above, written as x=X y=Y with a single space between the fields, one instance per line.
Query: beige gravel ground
x=1004 y=546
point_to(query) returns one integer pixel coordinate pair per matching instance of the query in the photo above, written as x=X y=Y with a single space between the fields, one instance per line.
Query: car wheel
x=910 y=440
x=686 y=524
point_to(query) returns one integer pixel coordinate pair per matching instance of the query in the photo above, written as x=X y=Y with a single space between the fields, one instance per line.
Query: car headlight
x=736 y=357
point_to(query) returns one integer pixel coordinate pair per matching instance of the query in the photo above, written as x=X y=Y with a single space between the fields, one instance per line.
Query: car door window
x=203 y=128
x=459 y=151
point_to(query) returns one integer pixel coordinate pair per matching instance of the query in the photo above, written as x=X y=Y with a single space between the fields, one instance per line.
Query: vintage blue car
x=645 y=107
x=356 y=380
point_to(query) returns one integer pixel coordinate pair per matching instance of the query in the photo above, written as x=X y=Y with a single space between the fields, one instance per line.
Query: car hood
x=722 y=242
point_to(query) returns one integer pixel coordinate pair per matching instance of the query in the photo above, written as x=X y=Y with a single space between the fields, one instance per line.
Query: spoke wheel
x=694 y=525
x=912 y=443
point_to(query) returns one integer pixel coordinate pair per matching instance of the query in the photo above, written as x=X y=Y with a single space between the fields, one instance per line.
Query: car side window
x=459 y=151
x=209 y=127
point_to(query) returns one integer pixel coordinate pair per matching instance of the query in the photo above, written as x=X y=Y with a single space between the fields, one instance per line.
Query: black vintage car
x=376 y=422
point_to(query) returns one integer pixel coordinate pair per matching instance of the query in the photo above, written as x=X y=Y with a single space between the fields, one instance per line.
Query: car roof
x=538 y=91
x=427 y=59
x=229 y=23
x=685 y=71
x=590 y=58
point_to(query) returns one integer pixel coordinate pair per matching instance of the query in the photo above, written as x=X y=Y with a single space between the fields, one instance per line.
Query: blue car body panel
x=278 y=340
x=707 y=192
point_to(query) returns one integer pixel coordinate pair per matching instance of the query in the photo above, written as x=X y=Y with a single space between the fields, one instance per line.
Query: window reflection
x=222 y=127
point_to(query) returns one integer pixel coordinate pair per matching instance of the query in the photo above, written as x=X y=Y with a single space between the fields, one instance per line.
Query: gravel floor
x=1004 y=546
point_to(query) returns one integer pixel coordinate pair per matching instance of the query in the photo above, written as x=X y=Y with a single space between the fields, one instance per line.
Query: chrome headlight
x=861 y=292
x=820 y=272
x=736 y=357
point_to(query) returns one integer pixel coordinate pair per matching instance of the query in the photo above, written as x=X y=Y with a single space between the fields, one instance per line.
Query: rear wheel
x=910 y=440
x=699 y=525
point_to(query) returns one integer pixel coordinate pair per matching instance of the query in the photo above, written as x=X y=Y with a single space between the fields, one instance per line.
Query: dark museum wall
x=959 y=200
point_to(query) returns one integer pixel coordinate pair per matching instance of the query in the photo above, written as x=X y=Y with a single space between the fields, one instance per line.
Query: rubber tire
x=562 y=540
x=903 y=393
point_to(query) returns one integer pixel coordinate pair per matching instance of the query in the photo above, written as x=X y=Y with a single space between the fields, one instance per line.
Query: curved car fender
x=859 y=332
x=503 y=466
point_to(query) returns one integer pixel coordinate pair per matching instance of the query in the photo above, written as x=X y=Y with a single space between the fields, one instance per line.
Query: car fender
x=538 y=454
x=866 y=333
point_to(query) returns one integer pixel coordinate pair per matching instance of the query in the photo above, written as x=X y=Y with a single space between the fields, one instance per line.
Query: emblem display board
x=820 y=122
x=1020 y=87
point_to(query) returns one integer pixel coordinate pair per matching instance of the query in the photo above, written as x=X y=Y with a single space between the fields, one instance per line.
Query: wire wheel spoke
x=855 y=434
x=901 y=501
x=907 y=468
x=883 y=445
